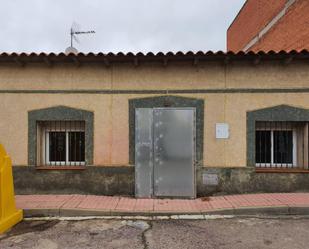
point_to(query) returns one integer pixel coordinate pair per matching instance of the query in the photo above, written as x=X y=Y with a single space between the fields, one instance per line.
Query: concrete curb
x=276 y=210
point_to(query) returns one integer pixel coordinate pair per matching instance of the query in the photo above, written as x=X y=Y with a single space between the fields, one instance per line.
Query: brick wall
x=253 y=17
x=290 y=33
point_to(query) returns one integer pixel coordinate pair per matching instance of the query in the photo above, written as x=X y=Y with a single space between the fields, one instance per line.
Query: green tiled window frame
x=276 y=113
x=59 y=113
x=168 y=101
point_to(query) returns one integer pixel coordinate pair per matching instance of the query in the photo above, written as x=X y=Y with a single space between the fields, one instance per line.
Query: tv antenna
x=75 y=30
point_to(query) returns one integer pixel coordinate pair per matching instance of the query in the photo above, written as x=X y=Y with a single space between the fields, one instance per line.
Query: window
x=61 y=143
x=281 y=144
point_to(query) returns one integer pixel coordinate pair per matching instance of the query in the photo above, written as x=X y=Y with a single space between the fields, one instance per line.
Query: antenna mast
x=74 y=32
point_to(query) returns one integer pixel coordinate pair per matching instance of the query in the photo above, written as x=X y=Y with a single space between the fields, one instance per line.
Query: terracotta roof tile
x=171 y=56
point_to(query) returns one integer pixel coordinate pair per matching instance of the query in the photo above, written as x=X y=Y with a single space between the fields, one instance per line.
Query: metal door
x=165 y=152
x=143 y=152
x=173 y=152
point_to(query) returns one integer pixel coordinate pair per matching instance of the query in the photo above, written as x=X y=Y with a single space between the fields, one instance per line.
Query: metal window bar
x=74 y=152
x=277 y=145
x=62 y=143
x=268 y=128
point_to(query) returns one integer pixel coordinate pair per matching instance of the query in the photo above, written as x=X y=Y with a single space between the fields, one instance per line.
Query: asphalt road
x=238 y=233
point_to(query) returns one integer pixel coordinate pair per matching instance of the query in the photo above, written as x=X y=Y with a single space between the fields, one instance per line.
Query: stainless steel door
x=173 y=132
x=164 y=152
x=143 y=152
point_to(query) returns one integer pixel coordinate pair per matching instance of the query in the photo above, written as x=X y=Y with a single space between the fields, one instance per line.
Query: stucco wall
x=111 y=128
x=181 y=75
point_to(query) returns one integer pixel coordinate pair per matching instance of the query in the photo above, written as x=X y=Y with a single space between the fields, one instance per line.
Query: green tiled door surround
x=59 y=113
x=168 y=101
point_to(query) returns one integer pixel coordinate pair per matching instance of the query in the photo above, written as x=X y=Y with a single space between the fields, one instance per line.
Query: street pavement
x=285 y=232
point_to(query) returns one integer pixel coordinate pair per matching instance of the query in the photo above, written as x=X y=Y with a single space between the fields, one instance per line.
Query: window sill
x=60 y=167
x=283 y=170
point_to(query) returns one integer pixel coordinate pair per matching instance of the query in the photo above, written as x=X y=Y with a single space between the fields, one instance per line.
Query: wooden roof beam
x=106 y=62
x=288 y=60
x=76 y=61
x=257 y=60
x=165 y=62
x=19 y=62
x=226 y=60
x=136 y=62
x=196 y=62
x=48 y=61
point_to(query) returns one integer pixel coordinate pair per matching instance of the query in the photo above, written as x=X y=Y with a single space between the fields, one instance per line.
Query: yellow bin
x=9 y=215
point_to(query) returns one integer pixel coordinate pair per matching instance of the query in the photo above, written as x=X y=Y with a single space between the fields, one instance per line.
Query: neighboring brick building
x=270 y=25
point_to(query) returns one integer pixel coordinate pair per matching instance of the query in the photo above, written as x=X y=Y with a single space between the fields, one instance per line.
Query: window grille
x=61 y=143
x=281 y=145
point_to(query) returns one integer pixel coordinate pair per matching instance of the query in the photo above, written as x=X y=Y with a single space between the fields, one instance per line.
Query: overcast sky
x=120 y=25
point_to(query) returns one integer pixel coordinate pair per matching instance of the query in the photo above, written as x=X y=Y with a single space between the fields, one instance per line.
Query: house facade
x=164 y=125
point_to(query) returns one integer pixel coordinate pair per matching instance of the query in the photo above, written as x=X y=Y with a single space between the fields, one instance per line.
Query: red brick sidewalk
x=125 y=205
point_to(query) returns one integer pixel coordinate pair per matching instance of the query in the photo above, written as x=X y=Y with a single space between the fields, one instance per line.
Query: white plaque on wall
x=222 y=131
x=210 y=179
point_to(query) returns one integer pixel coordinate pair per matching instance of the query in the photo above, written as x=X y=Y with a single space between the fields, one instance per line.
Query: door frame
x=168 y=101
